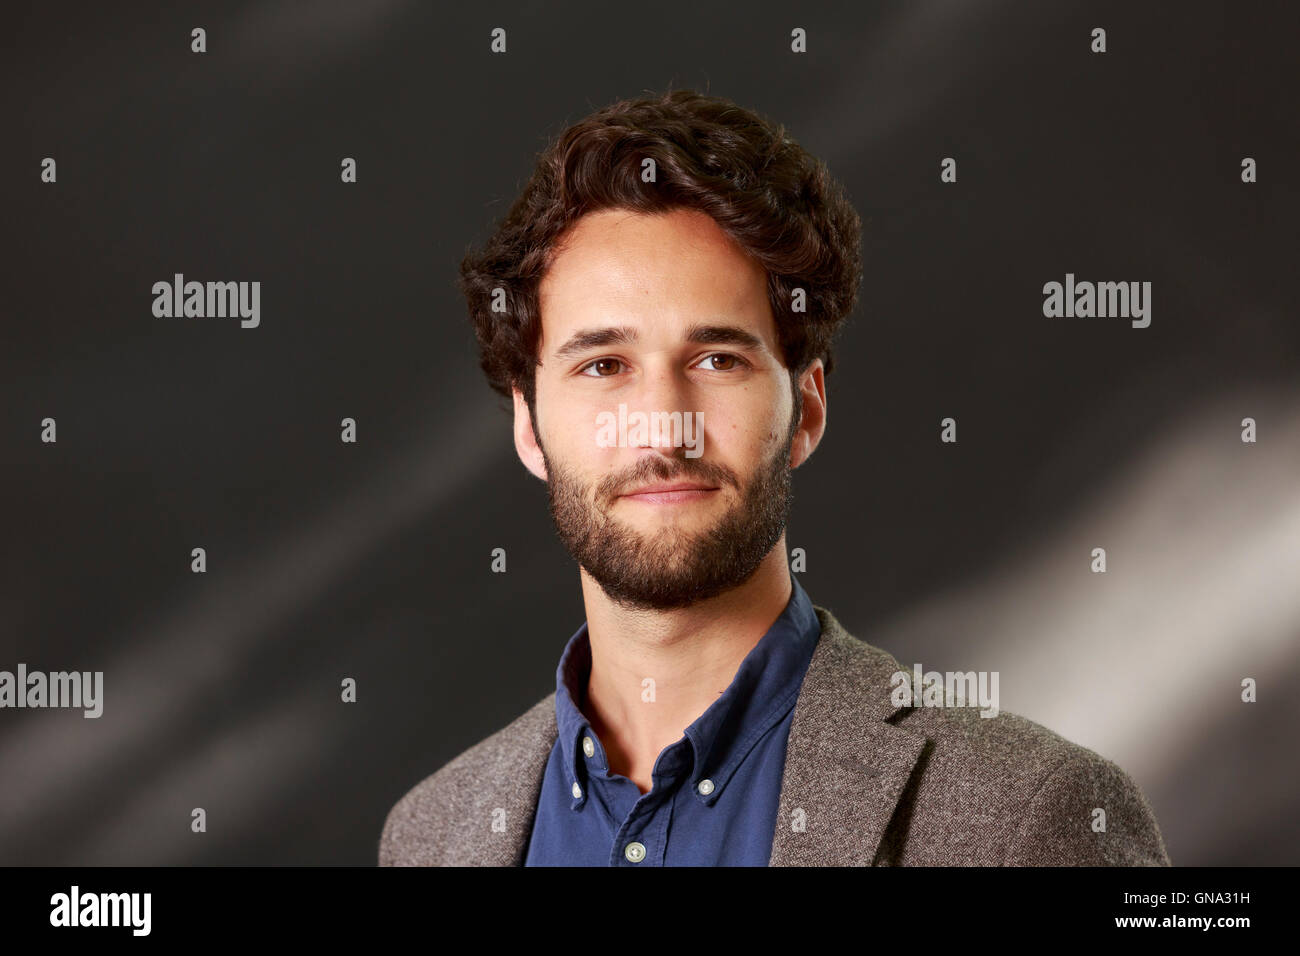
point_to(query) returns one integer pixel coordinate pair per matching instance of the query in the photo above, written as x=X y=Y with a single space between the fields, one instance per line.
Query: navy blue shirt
x=715 y=791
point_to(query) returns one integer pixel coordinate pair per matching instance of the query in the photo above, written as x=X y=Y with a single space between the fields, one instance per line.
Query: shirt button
x=577 y=790
x=588 y=747
x=706 y=786
x=635 y=852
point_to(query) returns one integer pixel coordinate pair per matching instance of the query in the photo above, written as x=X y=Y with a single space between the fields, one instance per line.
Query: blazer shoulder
x=1052 y=801
x=1086 y=811
x=425 y=826
x=1001 y=789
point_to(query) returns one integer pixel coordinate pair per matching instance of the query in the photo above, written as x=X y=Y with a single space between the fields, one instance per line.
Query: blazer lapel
x=846 y=766
x=519 y=764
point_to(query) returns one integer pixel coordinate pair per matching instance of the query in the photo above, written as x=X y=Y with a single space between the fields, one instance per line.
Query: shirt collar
x=764 y=689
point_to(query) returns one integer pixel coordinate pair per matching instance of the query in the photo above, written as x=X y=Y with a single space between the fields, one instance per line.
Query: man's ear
x=812 y=390
x=530 y=453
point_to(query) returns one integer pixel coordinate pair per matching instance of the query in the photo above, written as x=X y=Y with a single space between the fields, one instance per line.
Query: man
x=682 y=256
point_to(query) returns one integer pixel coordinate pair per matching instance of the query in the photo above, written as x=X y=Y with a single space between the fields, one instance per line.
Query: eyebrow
x=585 y=340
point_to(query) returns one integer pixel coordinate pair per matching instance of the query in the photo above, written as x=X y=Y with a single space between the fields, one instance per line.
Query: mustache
x=662 y=469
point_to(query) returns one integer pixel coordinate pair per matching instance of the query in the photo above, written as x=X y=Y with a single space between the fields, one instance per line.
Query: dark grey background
x=371 y=560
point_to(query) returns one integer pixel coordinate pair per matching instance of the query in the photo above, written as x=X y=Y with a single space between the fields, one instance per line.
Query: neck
x=690 y=654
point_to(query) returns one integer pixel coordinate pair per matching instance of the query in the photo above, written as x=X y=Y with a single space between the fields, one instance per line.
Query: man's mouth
x=670 y=492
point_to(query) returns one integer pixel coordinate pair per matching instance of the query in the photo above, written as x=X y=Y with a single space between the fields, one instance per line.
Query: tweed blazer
x=865 y=783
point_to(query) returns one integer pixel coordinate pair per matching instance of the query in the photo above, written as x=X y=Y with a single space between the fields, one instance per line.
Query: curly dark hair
x=778 y=202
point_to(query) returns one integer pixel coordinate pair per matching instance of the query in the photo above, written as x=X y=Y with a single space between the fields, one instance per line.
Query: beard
x=670 y=567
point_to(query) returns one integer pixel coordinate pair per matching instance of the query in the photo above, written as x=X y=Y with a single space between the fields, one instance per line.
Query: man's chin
x=649 y=522
x=670 y=569
x=669 y=537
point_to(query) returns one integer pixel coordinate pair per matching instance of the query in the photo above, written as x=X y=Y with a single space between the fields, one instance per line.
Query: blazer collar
x=846 y=765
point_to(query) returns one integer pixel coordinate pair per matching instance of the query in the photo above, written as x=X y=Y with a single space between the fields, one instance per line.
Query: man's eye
x=587 y=369
x=725 y=356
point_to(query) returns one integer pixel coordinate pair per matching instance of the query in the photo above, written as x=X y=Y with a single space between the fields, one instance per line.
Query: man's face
x=660 y=314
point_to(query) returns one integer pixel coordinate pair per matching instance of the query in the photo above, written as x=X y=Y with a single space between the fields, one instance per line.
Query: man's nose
x=664 y=395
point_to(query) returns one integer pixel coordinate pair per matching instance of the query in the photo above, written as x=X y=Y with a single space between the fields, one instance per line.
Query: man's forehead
x=629 y=253
x=651 y=275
